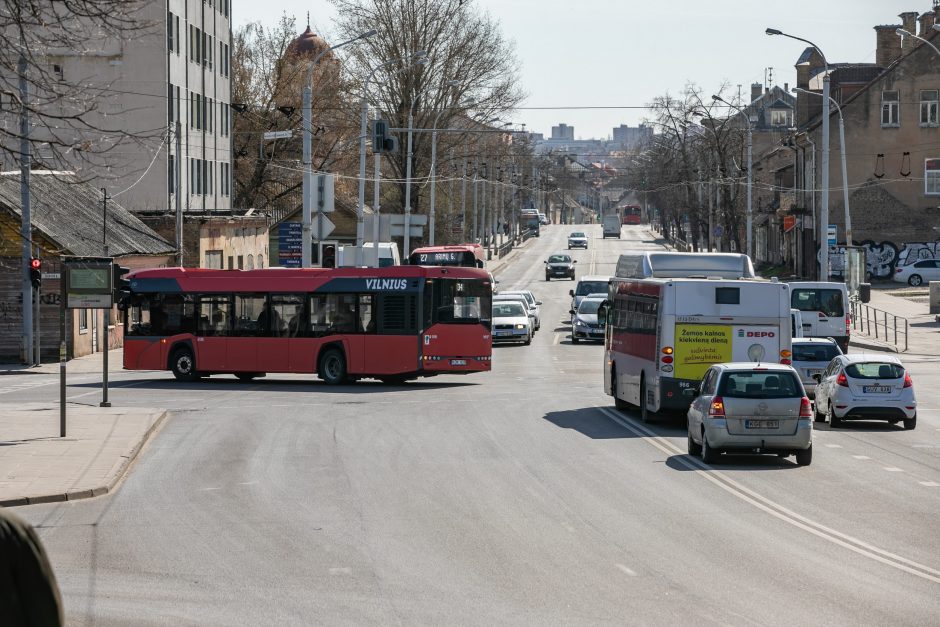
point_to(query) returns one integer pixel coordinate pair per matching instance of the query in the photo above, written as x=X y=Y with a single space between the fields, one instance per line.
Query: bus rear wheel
x=645 y=414
x=332 y=367
x=183 y=365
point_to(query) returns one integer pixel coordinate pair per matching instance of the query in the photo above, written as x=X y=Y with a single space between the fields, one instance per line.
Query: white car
x=577 y=239
x=511 y=323
x=534 y=305
x=918 y=273
x=864 y=387
x=811 y=356
x=520 y=298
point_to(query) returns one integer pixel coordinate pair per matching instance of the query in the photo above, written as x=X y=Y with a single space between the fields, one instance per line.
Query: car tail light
x=848 y=323
x=718 y=407
x=806 y=410
x=841 y=380
x=907 y=381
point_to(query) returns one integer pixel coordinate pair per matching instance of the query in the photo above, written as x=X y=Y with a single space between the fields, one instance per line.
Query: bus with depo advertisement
x=670 y=316
x=462 y=255
x=392 y=324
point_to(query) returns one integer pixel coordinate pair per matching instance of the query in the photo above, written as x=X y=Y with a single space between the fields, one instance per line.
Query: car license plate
x=502 y=333
x=876 y=389
x=458 y=362
x=761 y=424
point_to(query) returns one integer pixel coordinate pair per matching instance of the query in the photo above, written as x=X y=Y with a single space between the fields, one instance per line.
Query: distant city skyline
x=597 y=66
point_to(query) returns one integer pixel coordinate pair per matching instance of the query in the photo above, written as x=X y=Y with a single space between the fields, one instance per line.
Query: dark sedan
x=559 y=266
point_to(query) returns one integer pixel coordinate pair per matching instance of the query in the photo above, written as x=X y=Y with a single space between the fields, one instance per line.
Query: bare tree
x=468 y=58
x=72 y=120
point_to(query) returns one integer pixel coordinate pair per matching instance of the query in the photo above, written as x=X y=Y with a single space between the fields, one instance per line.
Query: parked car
x=519 y=298
x=588 y=285
x=534 y=305
x=493 y=283
x=824 y=306
x=750 y=408
x=811 y=356
x=577 y=239
x=559 y=266
x=584 y=324
x=918 y=273
x=543 y=219
x=863 y=387
x=511 y=323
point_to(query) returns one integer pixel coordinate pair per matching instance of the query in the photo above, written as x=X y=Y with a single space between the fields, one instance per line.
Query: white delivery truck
x=612 y=224
x=388 y=255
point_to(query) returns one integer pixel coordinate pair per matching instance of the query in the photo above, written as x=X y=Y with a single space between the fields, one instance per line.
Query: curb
x=74 y=495
x=875 y=345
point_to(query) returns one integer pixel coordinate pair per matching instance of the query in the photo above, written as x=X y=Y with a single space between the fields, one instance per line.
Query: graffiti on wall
x=883 y=257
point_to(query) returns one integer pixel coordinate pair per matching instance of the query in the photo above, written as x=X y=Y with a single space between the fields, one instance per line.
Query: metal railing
x=504 y=250
x=527 y=233
x=880 y=324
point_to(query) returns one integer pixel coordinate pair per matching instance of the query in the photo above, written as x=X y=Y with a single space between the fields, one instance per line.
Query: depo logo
x=760 y=334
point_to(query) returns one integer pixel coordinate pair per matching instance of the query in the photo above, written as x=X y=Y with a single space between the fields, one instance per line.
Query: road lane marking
x=625 y=570
x=930 y=484
x=861 y=456
x=557 y=339
x=833 y=446
x=776 y=510
x=893 y=469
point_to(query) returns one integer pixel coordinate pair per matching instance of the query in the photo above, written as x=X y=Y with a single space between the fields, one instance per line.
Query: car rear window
x=591 y=287
x=749 y=384
x=874 y=370
x=827 y=301
x=814 y=352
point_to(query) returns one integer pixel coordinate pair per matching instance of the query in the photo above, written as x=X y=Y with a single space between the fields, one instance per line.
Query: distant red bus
x=632 y=214
x=392 y=324
x=462 y=255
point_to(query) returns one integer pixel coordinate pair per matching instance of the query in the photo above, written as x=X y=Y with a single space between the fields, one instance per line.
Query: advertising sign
x=88 y=283
x=699 y=346
x=756 y=343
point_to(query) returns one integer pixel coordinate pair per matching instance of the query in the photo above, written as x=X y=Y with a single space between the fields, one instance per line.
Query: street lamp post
x=845 y=176
x=824 y=174
x=306 y=245
x=416 y=57
x=750 y=176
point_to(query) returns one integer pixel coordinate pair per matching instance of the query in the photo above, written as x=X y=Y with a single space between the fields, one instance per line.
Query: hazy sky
x=623 y=53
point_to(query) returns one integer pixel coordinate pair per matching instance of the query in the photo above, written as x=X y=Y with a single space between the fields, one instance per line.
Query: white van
x=612 y=224
x=796 y=323
x=824 y=306
x=388 y=255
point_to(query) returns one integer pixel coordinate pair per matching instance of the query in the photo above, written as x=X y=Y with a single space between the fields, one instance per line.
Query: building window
x=890 y=115
x=928 y=107
x=241 y=262
x=83 y=320
x=170 y=109
x=251 y=262
x=260 y=261
x=214 y=259
x=932 y=177
x=781 y=117
x=170 y=38
x=176 y=33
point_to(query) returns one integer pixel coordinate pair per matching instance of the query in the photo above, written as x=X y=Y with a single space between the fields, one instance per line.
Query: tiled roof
x=69 y=212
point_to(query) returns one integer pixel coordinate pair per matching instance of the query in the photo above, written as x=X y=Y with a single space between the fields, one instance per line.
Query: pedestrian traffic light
x=379 y=133
x=120 y=285
x=35 y=272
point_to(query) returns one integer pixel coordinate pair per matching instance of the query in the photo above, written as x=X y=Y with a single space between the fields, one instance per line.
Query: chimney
x=909 y=21
x=756 y=89
x=786 y=87
x=888 y=45
x=927 y=21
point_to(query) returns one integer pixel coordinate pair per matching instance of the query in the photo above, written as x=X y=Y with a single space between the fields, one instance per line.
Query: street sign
x=416 y=219
x=322 y=194
x=788 y=223
x=328 y=227
x=278 y=135
x=88 y=283
x=52 y=276
x=289 y=244
x=831 y=234
x=399 y=231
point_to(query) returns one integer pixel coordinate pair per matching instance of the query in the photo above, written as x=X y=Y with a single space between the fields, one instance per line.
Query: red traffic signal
x=35 y=263
x=35 y=272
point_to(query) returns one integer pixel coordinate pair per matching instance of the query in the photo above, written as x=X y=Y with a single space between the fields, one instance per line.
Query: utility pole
x=26 y=223
x=107 y=312
x=411 y=124
x=463 y=200
x=179 y=194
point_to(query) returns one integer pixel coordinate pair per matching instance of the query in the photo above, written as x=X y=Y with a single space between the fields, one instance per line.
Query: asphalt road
x=514 y=497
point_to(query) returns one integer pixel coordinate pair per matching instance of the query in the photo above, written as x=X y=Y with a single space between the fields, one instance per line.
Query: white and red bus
x=631 y=214
x=663 y=332
x=461 y=255
x=392 y=324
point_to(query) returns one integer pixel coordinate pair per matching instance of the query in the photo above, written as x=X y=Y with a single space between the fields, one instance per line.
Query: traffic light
x=120 y=285
x=35 y=272
x=329 y=256
x=381 y=140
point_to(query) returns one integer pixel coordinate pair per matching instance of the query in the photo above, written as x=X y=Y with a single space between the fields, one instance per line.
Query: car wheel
x=692 y=447
x=709 y=455
x=528 y=340
x=574 y=340
x=333 y=367
x=910 y=423
x=915 y=280
x=805 y=457
x=833 y=420
x=645 y=415
x=548 y=278
x=183 y=365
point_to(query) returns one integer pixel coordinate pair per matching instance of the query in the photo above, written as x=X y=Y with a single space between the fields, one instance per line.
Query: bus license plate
x=761 y=424
x=458 y=362
x=876 y=389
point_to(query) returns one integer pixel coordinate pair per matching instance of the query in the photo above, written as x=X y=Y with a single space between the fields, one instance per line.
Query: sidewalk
x=89 y=364
x=496 y=265
x=924 y=331
x=37 y=466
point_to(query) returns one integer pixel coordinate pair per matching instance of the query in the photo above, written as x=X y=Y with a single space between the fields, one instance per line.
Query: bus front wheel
x=333 y=367
x=183 y=365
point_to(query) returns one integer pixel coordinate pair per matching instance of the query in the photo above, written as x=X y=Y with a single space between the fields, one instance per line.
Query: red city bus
x=463 y=255
x=632 y=214
x=391 y=324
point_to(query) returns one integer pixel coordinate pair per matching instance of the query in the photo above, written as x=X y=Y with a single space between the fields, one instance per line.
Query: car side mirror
x=817 y=378
x=570 y=292
x=575 y=261
x=571 y=311
x=602 y=314
x=538 y=302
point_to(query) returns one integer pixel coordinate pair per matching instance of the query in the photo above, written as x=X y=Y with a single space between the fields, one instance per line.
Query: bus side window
x=288 y=308
x=366 y=314
x=317 y=321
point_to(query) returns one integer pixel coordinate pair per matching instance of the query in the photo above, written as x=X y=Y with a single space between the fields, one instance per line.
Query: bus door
x=213 y=331
x=281 y=330
x=252 y=319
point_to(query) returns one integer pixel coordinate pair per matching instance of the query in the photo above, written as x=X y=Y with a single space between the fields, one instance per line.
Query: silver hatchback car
x=749 y=407
x=811 y=356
